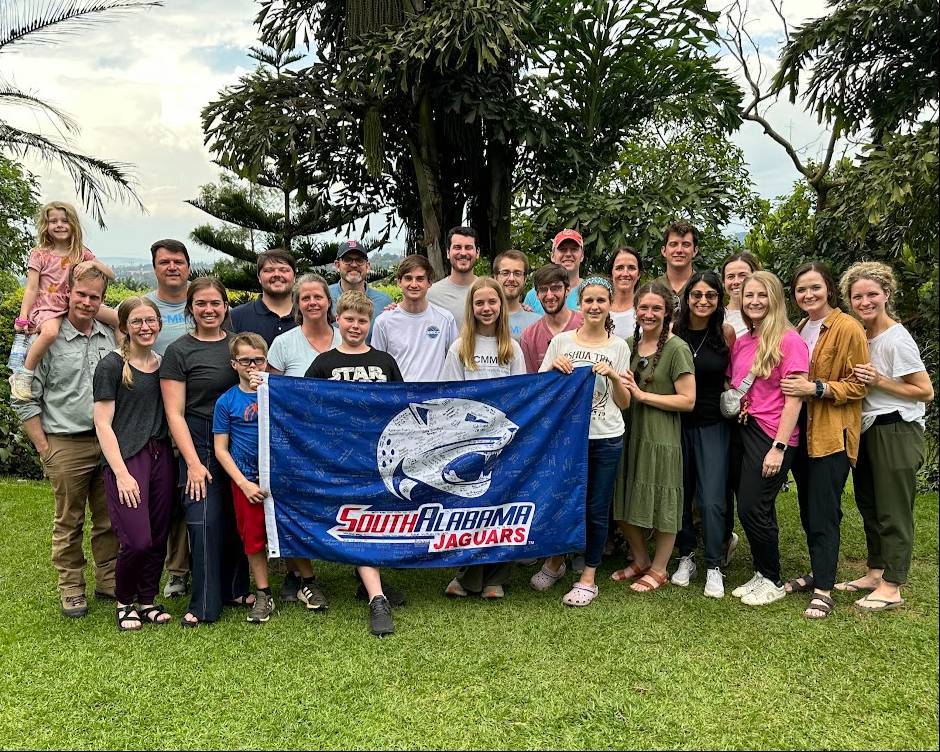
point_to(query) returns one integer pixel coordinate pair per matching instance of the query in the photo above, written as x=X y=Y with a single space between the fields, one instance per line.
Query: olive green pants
x=885 y=486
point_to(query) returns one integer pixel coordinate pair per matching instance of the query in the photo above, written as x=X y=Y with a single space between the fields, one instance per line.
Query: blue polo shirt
x=258 y=318
x=379 y=301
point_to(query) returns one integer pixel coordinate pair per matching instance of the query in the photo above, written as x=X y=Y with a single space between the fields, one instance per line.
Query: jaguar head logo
x=446 y=444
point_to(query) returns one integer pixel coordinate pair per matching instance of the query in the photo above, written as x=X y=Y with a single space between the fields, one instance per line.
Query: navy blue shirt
x=258 y=318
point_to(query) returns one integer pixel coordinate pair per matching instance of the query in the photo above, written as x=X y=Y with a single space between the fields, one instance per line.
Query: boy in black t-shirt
x=354 y=360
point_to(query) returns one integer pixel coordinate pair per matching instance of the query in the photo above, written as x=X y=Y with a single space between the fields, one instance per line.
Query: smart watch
x=780 y=446
x=820 y=389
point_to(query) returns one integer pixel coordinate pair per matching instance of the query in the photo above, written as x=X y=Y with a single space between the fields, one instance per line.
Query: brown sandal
x=629 y=573
x=649 y=581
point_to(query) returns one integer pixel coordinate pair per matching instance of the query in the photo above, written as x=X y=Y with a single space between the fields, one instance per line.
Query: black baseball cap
x=350 y=245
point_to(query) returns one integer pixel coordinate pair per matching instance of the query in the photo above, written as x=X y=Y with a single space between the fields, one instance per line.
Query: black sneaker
x=380 y=617
x=312 y=597
x=289 y=588
x=395 y=597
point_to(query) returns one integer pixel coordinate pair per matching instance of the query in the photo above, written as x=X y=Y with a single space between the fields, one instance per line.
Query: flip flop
x=851 y=587
x=629 y=573
x=883 y=605
x=649 y=581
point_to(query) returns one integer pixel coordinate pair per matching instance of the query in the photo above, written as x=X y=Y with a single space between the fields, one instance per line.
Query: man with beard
x=451 y=292
x=550 y=285
x=567 y=252
x=510 y=268
x=352 y=263
x=680 y=246
x=272 y=313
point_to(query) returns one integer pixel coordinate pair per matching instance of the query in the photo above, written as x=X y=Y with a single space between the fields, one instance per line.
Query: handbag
x=730 y=400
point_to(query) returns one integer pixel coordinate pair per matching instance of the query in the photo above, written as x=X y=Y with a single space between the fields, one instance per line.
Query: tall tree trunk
x=501 y=158
x=288 y=230
x=426 y=164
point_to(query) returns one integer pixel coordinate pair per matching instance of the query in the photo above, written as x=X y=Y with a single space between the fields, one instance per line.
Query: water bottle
x=18 y=352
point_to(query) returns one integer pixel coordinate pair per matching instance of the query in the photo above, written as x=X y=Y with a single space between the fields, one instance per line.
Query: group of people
x=154 y=424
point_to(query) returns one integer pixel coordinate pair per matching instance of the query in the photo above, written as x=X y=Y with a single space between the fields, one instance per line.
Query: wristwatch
x=820 y=389
x=780 y=446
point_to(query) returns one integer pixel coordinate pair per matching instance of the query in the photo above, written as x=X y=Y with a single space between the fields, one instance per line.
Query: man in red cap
x=568 y=252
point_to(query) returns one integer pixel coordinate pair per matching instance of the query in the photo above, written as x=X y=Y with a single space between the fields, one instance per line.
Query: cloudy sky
x=136 y=86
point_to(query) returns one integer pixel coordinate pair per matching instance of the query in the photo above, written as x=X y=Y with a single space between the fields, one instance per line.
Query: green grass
x=666 y=670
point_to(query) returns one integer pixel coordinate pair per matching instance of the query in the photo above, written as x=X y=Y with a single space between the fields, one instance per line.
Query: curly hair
x=874 y=271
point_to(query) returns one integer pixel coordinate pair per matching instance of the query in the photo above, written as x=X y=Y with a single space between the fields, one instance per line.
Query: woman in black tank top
x=705 y=432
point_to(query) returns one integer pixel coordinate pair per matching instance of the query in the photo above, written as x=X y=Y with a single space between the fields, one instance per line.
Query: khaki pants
x=72 y=465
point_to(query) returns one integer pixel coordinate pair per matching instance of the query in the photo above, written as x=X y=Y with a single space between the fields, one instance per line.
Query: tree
x=19 y=194
x=456 y=123
x=96 y=180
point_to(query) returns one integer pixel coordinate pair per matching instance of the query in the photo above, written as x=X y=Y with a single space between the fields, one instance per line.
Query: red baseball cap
x=567 y=235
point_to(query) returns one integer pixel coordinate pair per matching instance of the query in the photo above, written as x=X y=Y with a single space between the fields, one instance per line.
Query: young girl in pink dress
x=45 y=299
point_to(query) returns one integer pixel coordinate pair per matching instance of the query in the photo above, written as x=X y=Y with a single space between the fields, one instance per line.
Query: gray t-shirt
x=445 y=294
x=520 y=320
x=175 y=324
x=291 y=352
x=138 y=410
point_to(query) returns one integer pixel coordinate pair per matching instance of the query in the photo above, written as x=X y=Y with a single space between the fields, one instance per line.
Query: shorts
x=250 y=521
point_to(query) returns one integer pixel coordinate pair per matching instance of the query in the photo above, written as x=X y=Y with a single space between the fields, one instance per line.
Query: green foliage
x=866 y=63
x=19 y=203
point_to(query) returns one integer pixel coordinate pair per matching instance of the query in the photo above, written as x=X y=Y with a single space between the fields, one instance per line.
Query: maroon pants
x=142 y=531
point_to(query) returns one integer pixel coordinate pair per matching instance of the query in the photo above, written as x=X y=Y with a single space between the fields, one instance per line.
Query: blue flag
x=425 y=474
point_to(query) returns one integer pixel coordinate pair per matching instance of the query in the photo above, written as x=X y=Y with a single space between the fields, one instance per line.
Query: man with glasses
x=550 y=285
x=567 y=252
x=352 y=263
x=510 y=268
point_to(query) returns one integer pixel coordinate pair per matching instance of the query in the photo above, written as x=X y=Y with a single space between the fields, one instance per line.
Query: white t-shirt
x=810 y=334
x=894 y=353
x=624 y=322
x=734 y=318
x=417 y=341
x=606 y=419
x=291 y=352
x=445 y=294
x=485 y=356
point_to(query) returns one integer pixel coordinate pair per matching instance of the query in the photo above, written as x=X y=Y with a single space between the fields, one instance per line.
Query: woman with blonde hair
x=892 y=443
x=139 y=477
x=485 y=349
x=768 y=352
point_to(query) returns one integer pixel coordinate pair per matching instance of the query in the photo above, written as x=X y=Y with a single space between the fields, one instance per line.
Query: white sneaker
x=685 y=572
x=741 y=590
x=714 y=583
x=765 y=592
x=732 y=544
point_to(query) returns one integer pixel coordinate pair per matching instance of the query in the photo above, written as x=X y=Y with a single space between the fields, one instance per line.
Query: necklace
x=701 y=342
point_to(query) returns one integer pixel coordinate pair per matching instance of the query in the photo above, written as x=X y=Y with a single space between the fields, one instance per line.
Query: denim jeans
x=705 y=465
x=603 y=461
x=220 y=569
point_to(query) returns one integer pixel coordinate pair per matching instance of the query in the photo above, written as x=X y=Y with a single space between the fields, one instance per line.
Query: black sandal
x=190 y=623
x=152 y=613
x=822 y=603
x=809 y=584
x=124 y=614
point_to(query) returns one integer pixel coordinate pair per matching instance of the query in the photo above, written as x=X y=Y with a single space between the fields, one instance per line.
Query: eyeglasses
x=641 y=364
x=246 y=362
x=556 y=287
x=138 y=323
x=357 y=260
x=510 y=273
x=711 y=296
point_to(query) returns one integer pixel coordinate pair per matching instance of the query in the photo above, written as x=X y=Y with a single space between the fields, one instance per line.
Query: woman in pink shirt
x=771 y=350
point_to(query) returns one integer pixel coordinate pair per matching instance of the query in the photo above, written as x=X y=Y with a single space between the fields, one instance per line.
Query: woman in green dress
x=661 y=382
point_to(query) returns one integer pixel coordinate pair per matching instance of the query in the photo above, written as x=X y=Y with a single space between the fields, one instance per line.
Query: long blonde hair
x=42 y=229
x=772 y=328
x=124 y=313
x=468 y=332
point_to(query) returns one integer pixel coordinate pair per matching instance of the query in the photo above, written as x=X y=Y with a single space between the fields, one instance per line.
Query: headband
x=605 y=283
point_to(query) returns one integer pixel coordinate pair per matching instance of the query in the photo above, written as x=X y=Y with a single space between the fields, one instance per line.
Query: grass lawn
x=665 y=670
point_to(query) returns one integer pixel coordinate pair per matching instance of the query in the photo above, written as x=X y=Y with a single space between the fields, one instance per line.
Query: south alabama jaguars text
x=442 y=529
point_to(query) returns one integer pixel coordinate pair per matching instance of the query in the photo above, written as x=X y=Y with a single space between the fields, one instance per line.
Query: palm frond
x=38 y=21
x=96 y=181
x=59 y=118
